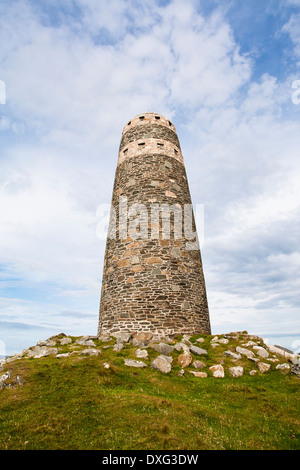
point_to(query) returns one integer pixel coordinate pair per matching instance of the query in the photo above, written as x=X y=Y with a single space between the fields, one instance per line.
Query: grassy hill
x=74 y=400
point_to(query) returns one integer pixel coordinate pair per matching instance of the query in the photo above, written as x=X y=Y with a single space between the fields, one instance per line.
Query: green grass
x=75 y=403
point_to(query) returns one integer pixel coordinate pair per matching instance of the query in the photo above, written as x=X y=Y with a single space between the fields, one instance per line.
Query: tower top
x=149 y=133
x=148 y=118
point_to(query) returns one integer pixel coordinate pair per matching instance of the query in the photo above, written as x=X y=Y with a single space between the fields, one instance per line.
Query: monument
x=152 y=276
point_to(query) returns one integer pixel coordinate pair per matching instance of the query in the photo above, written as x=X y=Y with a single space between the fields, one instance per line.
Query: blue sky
x=75 y=72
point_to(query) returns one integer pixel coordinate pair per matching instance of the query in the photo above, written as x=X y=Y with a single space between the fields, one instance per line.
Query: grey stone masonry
x=152 y=277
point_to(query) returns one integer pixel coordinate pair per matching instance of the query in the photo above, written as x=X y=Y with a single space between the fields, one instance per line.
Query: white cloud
x=70 y=90
x=292 y=28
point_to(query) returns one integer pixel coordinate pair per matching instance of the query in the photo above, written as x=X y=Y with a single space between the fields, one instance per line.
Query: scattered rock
x=162 y=364
x=198 y=364
x=141 y=338
x=46 y=342
x=106 y=365
x=90 y=352
x=263 y=367
x=295 y=369
x=105 y=339
x=232 y=355
x=65 y=341
x=141 y=353
x=19 y=380
x=186 y=339
x=249 y=343
x=13 y=358
x=122 y=336
x=244 y=351
x=181 y=346
x=3 y=379
x=185 y=359
x=280 y=350
x=236 y=371
x=42 y=351
x=198 y=374
x=196 y=350
x=164 y=345
x=168 y=358
x=133 y=363
x=217 y=370
x=284 y=367
x=85 y=341
x=216 y=338
x=163 y=348
x=295 y=360
x=118 y=346
x=223 y=341
x=262 y=352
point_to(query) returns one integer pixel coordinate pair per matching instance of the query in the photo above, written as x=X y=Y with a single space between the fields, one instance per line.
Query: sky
x=72 y=73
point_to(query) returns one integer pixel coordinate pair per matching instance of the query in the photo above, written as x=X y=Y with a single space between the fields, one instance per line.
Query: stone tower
x=152 y=278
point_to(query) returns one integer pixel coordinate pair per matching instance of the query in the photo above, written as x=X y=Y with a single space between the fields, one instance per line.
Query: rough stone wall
x=151 y=281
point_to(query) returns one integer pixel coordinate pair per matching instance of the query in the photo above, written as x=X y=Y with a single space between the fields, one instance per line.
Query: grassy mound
x=78 y=401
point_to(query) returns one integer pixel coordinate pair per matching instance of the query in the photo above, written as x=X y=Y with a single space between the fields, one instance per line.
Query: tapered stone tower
x=152 y=278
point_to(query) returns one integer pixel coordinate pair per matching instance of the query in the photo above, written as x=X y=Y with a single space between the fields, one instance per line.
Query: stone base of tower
x=108 y=328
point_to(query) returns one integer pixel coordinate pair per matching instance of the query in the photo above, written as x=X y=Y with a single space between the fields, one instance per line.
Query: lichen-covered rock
x=260 y=351
x=244 y=351
x=133 y=363
x=66 y=340
x=185 y=359
x=196 y=350
x=237 y=371
x=118 y=346
x=198 y=364
x=162 y=364
x=85 y=341
x=3 y=379
x=285 y=367
x=198 y=374
x=263 y=367
x=90 y=352
x=122 y=336
x=46 y=342
x=232 y=355
x=141 y=353
x=41 y=351
x=181 y=347
x=163 y=348
x=217 y=370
